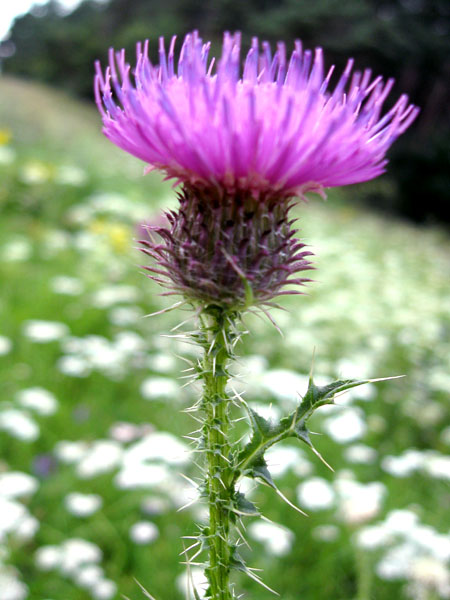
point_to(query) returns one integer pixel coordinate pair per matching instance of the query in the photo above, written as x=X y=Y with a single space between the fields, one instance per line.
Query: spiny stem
x=216 y=332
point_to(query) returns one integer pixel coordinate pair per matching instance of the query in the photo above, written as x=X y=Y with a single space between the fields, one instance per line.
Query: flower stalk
x=216 y=333
x=225 y=461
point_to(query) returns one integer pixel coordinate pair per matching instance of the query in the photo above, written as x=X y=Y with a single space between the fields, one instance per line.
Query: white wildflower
x=282 y=458
x=7 y=155
x=325 y=533
x=159 y=445
x=123 y=316
x=14 y=484
x=137 y=475
x=144 y=532
x=77 y=552
x=115 y=294
x=11 y=588
x=277 y=540
x=38 y=399
x=104 y=590
x=401 y=521
x=360 y=454
x=83 y=505
x=67 y=286
x=284 y=384
x=5 y=345
x=404 y=465
x=316 y=494
x=27 y=528
x=125 y=432
x=103 y=456
x=74 y=366
x=88 y=575
x=359 y=502
x=71 y=175
x=161 y=363
x=347 y=426
x=16 y=250
x=159 y=388
x=374 y=536
x=42 y=332
x=47 y=558
x=71 y=452
x=19 y=424
x=437 y=466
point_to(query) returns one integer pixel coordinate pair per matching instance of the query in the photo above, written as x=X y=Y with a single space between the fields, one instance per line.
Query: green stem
x=364 y=575
x=215 y=403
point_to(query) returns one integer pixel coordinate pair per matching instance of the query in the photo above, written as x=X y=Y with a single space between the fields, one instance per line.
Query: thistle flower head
x=274 y=126
x=233 y=251
x=242 y=143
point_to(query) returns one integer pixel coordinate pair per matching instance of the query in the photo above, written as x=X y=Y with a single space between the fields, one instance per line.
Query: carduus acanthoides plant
x=244 y=143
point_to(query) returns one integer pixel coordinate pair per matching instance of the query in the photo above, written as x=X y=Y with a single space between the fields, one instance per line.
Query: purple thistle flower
x=276 y=128
x=243 y=145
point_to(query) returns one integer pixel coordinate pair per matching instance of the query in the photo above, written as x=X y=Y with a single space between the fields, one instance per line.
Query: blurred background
x=405 y=39
x=91 y=419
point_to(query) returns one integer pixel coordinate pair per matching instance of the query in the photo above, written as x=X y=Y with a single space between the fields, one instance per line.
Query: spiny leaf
x=238 y=563
x=243 y=507
x=261 y=426
x=266 y=433
x=261 y=471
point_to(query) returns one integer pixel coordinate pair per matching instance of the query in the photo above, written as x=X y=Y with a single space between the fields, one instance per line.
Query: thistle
x=245 y=146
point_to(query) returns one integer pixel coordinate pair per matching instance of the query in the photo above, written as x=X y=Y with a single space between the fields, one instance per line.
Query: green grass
x=379 y=307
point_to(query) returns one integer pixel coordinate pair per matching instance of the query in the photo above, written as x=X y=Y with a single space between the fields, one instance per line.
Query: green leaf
x=238 y=563
x=260 y=470
x=266 y=433
x=243 y=507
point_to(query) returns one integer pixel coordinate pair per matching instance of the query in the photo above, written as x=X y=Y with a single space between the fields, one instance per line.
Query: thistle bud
x=231 y=250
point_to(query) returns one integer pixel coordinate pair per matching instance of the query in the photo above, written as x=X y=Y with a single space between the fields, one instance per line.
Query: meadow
x=91 y=408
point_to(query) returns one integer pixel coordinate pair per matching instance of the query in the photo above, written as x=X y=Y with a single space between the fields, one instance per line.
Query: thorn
x=193 y=416
x=294 y=418
x=222 y=483
x=238 y=396
x=199 y=551
x=185 y=359
x=165 y=310
x=191 y=376
x=190 y=581
x=188 y=383
x=187 y=505
x=385 y=378
x=320 y=457
x=147 y=594
x=289 y=503
x=272 y=320
x=213 y=341
x=248 y=572
x=186 y=550
x=192 y=316
x=241 y=535
x=191 y=481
